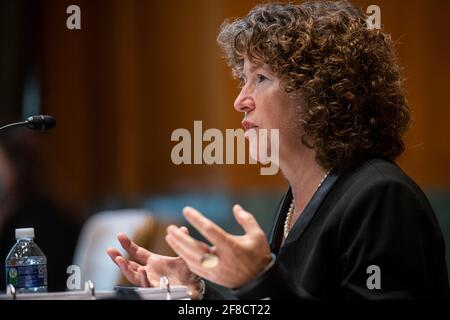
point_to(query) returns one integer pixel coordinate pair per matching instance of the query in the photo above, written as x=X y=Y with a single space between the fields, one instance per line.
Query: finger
x=127 y=271
x=143 y=277
x=176 y=247
x=185 y=230
x=212 y=232
x=136 y=252
x=190 y=245
x=189 y=250
x=134 y=266
x=113 y=253
x=193 y=261
x=246 y=220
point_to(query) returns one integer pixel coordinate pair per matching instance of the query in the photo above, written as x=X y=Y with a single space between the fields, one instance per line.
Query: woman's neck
x=304 y=176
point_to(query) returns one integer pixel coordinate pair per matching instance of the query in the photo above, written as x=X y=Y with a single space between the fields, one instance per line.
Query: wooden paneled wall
x=140 y=69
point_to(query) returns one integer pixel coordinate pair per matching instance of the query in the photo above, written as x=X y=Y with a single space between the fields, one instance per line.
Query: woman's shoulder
x=378 y=179
x=377 y=172
x=378 y=193
x=381 y=186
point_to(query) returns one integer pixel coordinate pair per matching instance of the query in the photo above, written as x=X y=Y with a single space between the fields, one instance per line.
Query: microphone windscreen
x=41 y=122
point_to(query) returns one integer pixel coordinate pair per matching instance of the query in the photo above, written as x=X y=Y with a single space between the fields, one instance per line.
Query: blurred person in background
x=352 y=225
x=25 y=201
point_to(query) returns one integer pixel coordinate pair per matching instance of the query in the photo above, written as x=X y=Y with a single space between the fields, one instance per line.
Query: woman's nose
x=244 y=102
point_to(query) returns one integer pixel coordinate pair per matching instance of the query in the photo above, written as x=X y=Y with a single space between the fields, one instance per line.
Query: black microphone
x=41 y=123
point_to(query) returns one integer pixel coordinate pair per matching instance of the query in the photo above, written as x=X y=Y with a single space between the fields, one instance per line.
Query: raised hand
x=146 y=268
x=241 y=258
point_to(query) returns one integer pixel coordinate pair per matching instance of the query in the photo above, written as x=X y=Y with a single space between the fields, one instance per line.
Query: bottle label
x=25 y=277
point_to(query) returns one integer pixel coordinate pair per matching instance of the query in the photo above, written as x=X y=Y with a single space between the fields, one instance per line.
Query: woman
x=352 y=224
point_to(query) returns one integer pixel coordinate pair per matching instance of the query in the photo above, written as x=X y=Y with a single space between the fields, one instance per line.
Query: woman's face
x=267 y=106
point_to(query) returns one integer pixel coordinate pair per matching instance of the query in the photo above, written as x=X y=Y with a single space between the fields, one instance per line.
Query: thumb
x=246 y=220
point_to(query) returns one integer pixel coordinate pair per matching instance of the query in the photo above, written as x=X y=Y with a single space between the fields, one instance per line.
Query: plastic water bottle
x=26 y=264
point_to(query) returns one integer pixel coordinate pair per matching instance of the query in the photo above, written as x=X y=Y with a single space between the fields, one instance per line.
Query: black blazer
x=370 y=215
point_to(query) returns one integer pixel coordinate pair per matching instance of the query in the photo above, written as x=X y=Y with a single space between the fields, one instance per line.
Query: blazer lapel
x=275 y=239
x=311 y=208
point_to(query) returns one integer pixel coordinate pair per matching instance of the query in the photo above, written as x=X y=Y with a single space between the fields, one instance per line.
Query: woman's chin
x=260 y=156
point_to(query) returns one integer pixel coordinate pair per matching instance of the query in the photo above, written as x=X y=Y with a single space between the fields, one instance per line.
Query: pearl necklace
x=287 y=222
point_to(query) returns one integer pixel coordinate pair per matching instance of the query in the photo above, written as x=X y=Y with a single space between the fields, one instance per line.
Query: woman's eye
x=261 y=78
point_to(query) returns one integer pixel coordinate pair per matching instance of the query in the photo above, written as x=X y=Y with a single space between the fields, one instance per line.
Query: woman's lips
x=247 y=125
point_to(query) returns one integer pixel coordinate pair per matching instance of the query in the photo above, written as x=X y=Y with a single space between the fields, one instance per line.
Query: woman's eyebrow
x=253 y=68
x=262 y=68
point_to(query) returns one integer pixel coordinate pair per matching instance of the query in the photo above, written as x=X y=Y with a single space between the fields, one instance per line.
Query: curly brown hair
x=355 y=107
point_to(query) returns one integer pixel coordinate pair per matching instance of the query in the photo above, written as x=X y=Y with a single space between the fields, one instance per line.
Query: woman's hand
x=147 y=267
x=241 y=258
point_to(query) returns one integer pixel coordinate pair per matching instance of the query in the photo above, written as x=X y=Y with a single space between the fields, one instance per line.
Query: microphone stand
x=38 y=123
x=15 y=124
